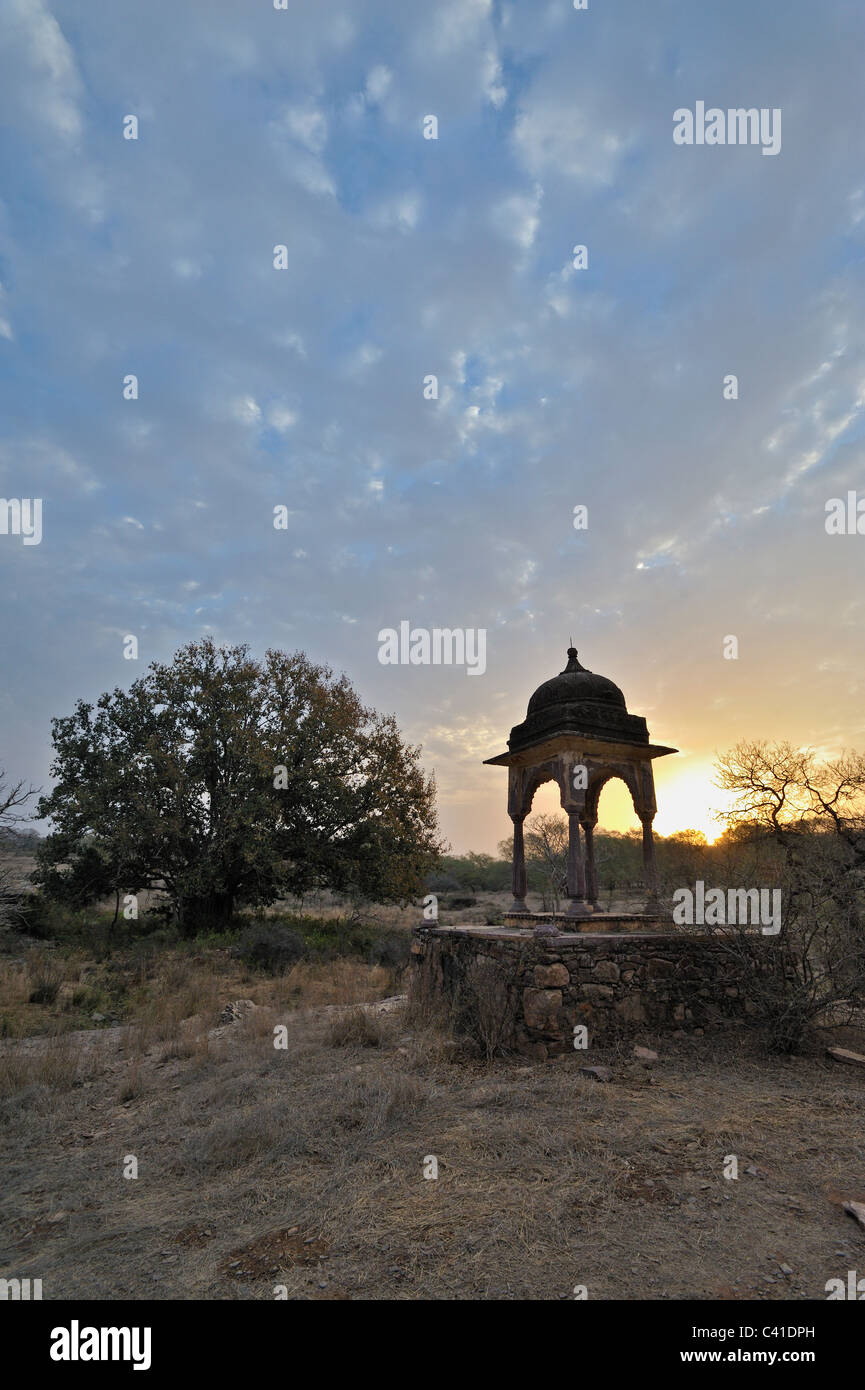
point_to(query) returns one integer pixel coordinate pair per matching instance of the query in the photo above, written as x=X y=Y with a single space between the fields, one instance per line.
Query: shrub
x=45 y=978
x=357 y=1028
x=270 y=947
x=44 y=992
x=391 y=951
x=37 y=916
x=485 y=1009
x=442 y=883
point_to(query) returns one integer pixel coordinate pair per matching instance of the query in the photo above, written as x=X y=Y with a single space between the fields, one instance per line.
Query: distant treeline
x=19 y=841
x=681 y=858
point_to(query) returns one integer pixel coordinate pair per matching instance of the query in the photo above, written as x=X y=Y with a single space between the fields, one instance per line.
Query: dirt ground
x=298 y=1172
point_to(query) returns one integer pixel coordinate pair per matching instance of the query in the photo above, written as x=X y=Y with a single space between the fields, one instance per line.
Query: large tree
x=227 y=781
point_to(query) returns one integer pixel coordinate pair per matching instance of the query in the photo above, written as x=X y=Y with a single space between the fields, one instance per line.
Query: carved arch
x=599 y=779
x=523 y=782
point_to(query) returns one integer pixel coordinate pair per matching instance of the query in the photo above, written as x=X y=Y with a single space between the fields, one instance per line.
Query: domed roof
x=577 y=709
x=577 y=702
x=575 y=685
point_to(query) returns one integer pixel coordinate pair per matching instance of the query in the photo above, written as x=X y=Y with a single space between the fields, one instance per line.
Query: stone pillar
x=591 y=870
x=519 y=867
x=650 y=872
x=577 y=906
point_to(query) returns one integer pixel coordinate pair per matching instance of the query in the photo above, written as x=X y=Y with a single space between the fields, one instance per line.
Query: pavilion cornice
x=583 y=743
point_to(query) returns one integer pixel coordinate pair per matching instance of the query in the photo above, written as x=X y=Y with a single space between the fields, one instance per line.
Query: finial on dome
x=573 y=665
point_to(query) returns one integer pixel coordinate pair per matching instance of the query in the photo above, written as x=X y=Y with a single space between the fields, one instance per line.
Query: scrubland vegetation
x=204 y=968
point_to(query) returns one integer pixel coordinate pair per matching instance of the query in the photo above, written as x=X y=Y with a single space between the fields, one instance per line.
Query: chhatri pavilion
x=596 y=975
x=578 y=733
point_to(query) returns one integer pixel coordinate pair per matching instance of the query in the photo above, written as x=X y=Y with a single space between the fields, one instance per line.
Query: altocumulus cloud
x=453 y=257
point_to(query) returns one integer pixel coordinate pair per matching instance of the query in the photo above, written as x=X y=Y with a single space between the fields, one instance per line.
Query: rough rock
x=551 y=976
x=237 y=1010
x=606 y=972
x=597 y=1073
x=857 y=1211
x=541 y=1009
x=842 y=1054
x=631 y=1009
x=654 y=980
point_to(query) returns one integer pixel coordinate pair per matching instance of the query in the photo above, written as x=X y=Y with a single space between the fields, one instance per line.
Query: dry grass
x=131 y=1086
x=49 y=991
x=304 y=1166
x=357 y=1027
x=64 y=1062
x=316 y=983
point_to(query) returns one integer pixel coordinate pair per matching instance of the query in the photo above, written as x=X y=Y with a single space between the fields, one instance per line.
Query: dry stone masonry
x=613 y=983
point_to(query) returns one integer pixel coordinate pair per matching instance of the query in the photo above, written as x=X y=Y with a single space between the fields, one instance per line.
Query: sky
x=405 y=257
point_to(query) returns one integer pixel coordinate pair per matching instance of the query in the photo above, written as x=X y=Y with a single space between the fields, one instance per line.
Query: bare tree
x=547 y=847
x=813 y=812
x=13 y=798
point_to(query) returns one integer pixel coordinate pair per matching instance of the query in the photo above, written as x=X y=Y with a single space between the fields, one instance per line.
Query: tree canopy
x=227 y=781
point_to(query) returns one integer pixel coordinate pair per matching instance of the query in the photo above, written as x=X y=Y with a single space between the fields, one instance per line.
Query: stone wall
x=613 y=983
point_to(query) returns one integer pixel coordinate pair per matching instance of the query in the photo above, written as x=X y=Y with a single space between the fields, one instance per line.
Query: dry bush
x=45 y=975
x=244 y=1136
x=59 y=1062
x=179 y=1047
x=430 y=1017
x=15 y=990
x=184 y=991
x=477 y=1011
x=258 y=1023
x=427 y=1004
x=485 y=1008
x=808 y=976
x=375 y=1105
x=315 y=983
x=131 y=1087
x=359 y=1028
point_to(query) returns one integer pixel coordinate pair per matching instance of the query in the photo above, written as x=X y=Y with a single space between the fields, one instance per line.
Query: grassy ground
x=481 y=906
x=303 y=1167
x=88 y=964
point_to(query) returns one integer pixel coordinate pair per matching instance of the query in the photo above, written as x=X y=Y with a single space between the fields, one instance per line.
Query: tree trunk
x=205 y=912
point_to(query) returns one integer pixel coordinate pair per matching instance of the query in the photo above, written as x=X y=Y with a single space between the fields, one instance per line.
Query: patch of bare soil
x=273 y=1253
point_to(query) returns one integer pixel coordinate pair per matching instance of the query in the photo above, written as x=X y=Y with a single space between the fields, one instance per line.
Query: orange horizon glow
x=686 y=800
x=685 y=792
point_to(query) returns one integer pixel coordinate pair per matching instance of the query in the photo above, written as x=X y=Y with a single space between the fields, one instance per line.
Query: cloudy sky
x=409 y=257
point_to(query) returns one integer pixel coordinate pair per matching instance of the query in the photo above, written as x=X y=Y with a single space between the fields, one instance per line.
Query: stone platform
x=596 y=922
x=613 y=981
